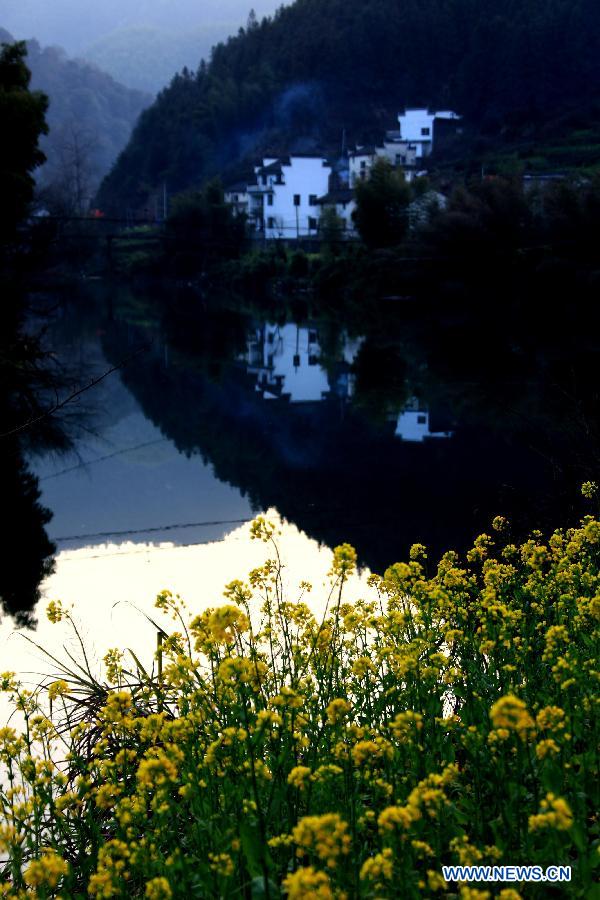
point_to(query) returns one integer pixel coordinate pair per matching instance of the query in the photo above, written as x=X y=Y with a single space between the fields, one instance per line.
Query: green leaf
x=253 y=848
x=257 y=888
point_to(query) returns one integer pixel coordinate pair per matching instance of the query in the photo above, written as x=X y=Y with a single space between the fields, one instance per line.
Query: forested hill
x=321 y=66
x=90 y=118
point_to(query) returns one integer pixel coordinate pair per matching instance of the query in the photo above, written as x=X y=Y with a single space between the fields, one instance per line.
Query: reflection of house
x=286 y=362
x=285 y=359
x=412 y=424
x=283 y=197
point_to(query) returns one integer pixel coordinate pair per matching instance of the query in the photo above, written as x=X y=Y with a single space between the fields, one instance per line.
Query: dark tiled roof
x=362 y=151
x=273 y=168
x=239 y=186
x=339 y=195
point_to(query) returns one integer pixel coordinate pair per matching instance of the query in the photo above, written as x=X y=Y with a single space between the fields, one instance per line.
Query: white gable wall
x=359 y=166
x=304 y=177
x=416 y=126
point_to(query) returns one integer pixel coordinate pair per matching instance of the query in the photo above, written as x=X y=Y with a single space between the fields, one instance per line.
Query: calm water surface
x=363 y=432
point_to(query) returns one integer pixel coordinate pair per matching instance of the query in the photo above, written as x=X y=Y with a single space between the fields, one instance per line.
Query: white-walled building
x=343 y=202
x=283 y=201
x=285 y=197
x=416 y=127
x=236 y=195
x=360 y=161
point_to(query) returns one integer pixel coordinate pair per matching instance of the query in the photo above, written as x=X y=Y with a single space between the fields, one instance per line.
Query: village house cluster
x=285 y=197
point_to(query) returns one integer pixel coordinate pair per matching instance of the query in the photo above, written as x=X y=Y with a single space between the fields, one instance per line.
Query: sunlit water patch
x=112 y=588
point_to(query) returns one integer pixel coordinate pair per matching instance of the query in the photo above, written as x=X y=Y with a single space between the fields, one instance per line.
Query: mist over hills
x=319 y=68
x=146 y=58
x=141 y=43
x=90 y=119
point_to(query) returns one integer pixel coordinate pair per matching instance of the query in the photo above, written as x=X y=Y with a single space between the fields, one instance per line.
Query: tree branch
x=71 y=397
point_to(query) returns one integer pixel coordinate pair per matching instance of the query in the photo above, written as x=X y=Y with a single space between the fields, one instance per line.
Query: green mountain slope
x=321 y=66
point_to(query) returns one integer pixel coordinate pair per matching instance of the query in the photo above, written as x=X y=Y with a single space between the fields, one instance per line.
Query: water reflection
x=111 y=589
x=286 y=361
x=375 y=431
x=413 y=424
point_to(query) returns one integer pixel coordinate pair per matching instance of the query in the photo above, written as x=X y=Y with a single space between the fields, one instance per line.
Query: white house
x=399 y=153
x=236 y=195
x=343 y=202
x=360 y=161
x=283 y=201
x=417 y=128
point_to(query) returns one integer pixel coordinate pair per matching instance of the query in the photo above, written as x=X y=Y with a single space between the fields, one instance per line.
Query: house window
x=270 y=199
x=313 y=360
x=270 y=222
x=312 y=337
x=264 y=179
x=235 y=198
x=425 y=132
x=312 y=223
x=421 y=420
x=312 y=199
x=296 y=361
x=363 y=164
x=296 y=199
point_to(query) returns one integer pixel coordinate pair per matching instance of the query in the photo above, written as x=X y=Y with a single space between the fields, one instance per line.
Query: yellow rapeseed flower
x=308 y=884
x=299 y=776
x=158 y=889
x=46 y=871
x=402 y=816
x=509 y=715
x=556 y=813
x=337 y=711
x=325 y=835
x=378 y=868
x=58 y=689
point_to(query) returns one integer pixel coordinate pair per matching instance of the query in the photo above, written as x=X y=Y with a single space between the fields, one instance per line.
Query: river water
x=359 y=431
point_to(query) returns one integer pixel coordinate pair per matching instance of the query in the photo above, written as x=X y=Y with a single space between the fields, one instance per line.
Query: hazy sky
x=75 y=24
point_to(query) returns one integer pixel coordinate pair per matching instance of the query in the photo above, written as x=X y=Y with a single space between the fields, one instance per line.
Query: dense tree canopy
x=316 y=68
x=382 y=206
x=22 y=121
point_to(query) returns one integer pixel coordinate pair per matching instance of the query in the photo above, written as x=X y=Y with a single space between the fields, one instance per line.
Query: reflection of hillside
x=332 y=473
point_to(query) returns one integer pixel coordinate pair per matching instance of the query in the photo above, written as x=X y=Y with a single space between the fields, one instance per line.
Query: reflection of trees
x=336 y=475
x=26 y=549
